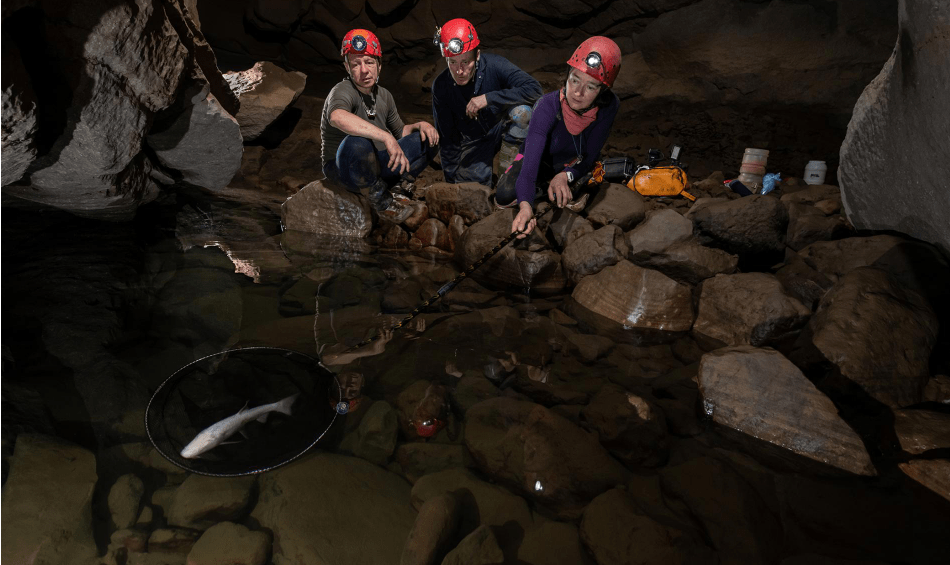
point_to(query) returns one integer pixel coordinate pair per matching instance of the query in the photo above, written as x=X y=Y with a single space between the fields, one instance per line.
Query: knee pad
x=519 y=116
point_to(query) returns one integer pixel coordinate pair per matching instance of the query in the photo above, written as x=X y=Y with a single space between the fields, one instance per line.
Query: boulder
x=482 y=503
x=893 y=172
x=660 y=230
x=173 y=541
x=434 y=233
x=567 y=226
x=753 y=227
x=230 y=544
x=746 y=309
x=265 y=91
x=632 y=428
x=542 y=454
x=420 y=213
x=433 y=532
x=551 y=543
x=456 y=229
x=538 y=270
x=761 y=394
x=802 y=281
x=201 y=501
x=419 y=459
x=932 y=473
x=875 y=333
x=125 y=497
x=308 y=526
x=478 y=548
x=394 y=237
x=589 y=254
x=327 y=209
x=615 y=204
x=47 y=502
x=813 y=194
x=938 y=389
x=631 y=297
x=469 y=200
x=807 y=224
x=376 y=435
x=688 y=262
x=835 y=259
x=19 y=118
x=616 y=532
x=922 y=430
x=198 y=139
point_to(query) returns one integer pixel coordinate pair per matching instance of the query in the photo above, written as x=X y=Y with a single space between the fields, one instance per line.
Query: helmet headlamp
x=593 y=59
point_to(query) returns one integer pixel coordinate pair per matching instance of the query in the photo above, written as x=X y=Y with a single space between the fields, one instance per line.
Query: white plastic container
x=815 y=172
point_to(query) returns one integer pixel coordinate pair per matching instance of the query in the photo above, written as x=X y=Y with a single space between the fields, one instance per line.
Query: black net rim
x=256 y=471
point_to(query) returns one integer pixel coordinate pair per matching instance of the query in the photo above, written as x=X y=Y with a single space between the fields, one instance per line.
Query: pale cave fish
x=215 y=434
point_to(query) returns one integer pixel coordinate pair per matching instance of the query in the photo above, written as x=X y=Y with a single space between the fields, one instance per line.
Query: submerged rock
x=328 y=210
x=632 y=428
x=433 y=531
x=760 y=393
x=746 y=309
x=875 y=333
x=231 y=544
x=201 y=501
x=265 y=91
x=47 y=502
x=125 y=497
x=635 y=298
x=478 y=548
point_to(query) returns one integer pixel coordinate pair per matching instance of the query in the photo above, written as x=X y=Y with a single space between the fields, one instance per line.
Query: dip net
x=213 y=388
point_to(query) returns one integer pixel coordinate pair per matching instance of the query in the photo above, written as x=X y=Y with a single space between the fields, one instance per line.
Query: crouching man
x=365 y=143
x=480 y=102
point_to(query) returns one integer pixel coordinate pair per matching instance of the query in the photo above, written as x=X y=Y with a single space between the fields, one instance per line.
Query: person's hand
x=428 y=133
x=559 y=192
x=474 y=105
x=524 y=220
x=397 y=159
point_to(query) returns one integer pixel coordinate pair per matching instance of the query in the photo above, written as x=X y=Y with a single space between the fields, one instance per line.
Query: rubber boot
x=506 y=156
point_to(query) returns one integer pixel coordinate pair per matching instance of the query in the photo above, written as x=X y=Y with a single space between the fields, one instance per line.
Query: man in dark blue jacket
x=480 y=102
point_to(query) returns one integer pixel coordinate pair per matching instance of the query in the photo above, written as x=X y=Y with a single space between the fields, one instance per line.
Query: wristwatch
x=570 y=176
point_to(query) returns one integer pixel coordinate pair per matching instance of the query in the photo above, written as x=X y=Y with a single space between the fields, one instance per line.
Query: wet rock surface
x=659 y=231
x=631 y=427
x=746 y=309
x=759 y=393
x=327 y=209
x=468 y=200
x=617 y=205
x=589 y=254
x=922 y=430
x=231 y=544
x=690 y=263
x=265 y=92
x=932 y=473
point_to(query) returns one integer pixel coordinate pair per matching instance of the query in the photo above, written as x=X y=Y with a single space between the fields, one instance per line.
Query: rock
x=156 y=559
x=630 y=427
x=199 y=139
x=420 y=213
x=807 y=224
x=419 y=459
x=616 y=532
x=377 y=433
x=813 y=559
x=125 y=497
x=478 y=548
x=922 y=430
x=481 y=503
x=813 y=194
x=932 y=473
x=433 y=532
x=802 y=281
x=127 y=541
x=617 y=205
x=752 y=227
x=746 y=309
x=172 y=540
x=567 y=226
x=736 y=520
x=265 y=91
x=835 y=259
x=471 y=390
x=469 y=200
x=540 y=453
x=589 y=254
x=661 y=229
x=551 y=543
x=394 y=237
x=19 y=117
x=761 y=394
x=538 y=270
x=632 y=297
x=327 y=210
x=891 y=123
x=146 y=517
x=230 y=544
x=874 y=333
x=590 y=347
x=434 y=233
x=938 y=389
x=47 y=501
x=689 y=262
x=456 y=229
x=201 y=500
x=308 y=526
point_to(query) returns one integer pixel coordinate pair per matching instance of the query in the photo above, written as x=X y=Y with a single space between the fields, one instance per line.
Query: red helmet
x=456 y=37
x=599 y=57
x=361 y=41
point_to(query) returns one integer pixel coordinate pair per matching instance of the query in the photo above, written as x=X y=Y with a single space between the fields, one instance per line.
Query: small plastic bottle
x=815 y=172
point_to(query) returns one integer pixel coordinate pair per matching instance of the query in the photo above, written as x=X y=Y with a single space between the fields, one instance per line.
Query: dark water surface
x=97 y=315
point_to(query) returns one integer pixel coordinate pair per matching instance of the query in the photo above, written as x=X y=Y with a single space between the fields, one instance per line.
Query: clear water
x=97 y=315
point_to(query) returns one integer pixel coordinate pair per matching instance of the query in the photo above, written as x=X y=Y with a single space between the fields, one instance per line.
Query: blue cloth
x=359 y=165
x=769 y=181
x=468 y=146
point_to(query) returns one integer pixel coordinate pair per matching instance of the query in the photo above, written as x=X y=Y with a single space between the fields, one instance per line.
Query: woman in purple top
x=567 y=131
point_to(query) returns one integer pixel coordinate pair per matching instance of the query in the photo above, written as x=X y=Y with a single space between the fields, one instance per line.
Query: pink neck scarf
x=575 y=122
